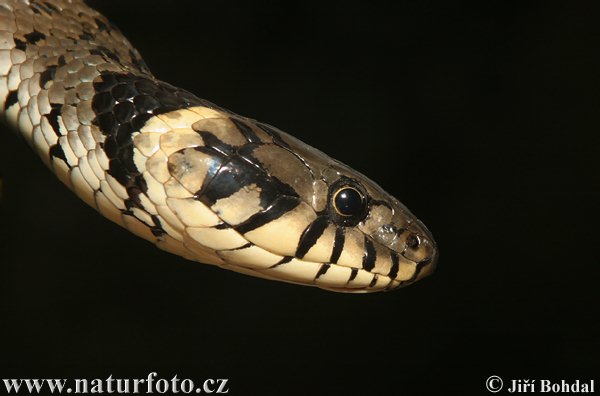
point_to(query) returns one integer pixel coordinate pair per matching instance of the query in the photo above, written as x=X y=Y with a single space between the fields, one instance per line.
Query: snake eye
x=348 y=201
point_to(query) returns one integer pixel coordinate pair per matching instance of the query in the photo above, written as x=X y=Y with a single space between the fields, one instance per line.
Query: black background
x=483 y=119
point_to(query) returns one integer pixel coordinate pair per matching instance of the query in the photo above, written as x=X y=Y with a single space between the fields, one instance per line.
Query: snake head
x=250 y=198
x=366 y=239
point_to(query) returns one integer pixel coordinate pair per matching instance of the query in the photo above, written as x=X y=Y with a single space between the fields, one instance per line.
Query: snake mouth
x=335 y=277
x=371 y=268
x=331 y=277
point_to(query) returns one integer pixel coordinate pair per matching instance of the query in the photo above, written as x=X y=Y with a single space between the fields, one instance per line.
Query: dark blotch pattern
x=52 y=117
x=46 y=7
x=101 y=25
x=322 y=271
x=238 y=169
x=246 y=152
x=157 y=230
x=418 y=269
x=311 y=235
x=246 y=131
x=86 y=36
x=123 y=103
x=279 y=208
x=234 y=174
x=373 y=281
x=11 y=99
x=47 y=75
x=370 y=255
x=395 y=265
x=283 y=261
x=338 y=245
x=57 y=151
x=106 y=53
x=34 y=37
x=213 y=142
x=20 y=44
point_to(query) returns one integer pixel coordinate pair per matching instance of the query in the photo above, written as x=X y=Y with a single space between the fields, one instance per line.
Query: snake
x=193 y=178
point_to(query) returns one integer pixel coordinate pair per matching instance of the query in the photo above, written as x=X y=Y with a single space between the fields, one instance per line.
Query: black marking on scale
x=34 y=37
x=45 y=6
x=86 y=36
x=52 y=117
x=311 y=234
x=373 y=281
x=419 y=268
x=230 y=178
x=106 y=53
x=248 y=133
x=370 y=255
x=353 y=273
x=145 y=103
x=215 y=143
x=11 y=99
x=284 y=260
x=395 y=265
x=246 y=153
x=281 y=206
x=20 y=44
x=57 y=151
x=103 y=102
x=338 y=245
x=100 y=25
x=322 y=271
x=157 y=230
x=34 y=9
x=124 y=112
x=39 y=7
x=119 y=172
x=134 y=199
x=236 y=174
x=47 y=75
x=125 y=156
x=52 y=7
x=246 y=246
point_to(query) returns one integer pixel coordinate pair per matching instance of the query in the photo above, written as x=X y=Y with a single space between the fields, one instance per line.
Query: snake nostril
x=413 y=241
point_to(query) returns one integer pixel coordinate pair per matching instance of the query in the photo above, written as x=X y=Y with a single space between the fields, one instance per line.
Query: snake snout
x=428 y=265
x=422 y=248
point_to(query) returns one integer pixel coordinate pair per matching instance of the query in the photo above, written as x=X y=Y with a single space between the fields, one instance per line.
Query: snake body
x=193 y=178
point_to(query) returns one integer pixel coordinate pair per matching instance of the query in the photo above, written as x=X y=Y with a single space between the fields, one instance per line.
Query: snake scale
x=193 y=178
